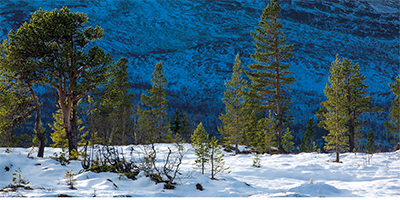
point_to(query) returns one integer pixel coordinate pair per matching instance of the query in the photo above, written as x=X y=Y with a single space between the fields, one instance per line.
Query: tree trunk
x=351 y=133
x=39 y=134
x=337 y=156
x=124 y=126
x=73 y=137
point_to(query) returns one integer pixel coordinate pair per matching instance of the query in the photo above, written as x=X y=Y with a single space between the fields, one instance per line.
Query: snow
x=294 y=175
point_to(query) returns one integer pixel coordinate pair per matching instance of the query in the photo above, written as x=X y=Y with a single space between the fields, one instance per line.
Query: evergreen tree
x=256 y=161
x=115 y=104
x=307 y=143
x=59 y=135
x=14 y=107
x=54 y=48
x=21 y=82
x=270 y=76
x=370 y=144
x=287 y=141
x=216 y=158
x=180 y=126
x=156 y=103
x=234 y=120
x=200 y=144
x=263 y=138
x=336 y=117
x=393 y=125
x=357 y=100
x=146 y=132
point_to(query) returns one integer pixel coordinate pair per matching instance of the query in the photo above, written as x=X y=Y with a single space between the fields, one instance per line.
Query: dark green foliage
x=153 y=117
x=370 y=144
x=53 y=48
x=393 y=124
x=256 y=161
x=62 y=158
x=15 y=104
x=113 y=106
x=216 y=158
x=180 y=126
x=234 y=120
x=200 y=143
x=270 y=76
x=308 y=140
x=70 y=180
x=262 y=137
x=357 y=101
x=287 y=141
x=336 y=115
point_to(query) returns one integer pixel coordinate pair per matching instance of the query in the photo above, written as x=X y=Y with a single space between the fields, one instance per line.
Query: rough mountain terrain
x=198 y=40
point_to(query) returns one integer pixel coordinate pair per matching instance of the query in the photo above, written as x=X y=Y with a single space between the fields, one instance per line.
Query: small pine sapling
x=256 y=161
x=70 y=180
x=18 y=180
x=216 y=158
x=200 y=144
x=288 y=143
x=370 y=144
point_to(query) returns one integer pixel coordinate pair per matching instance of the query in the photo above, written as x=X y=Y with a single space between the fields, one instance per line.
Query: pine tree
x=55 y=48
x=256 y=161
x=156 y=103
x=287 y=141
x=234 y=120
x=357 y=100
x=336 y=116
x=216 y=158
x=59 y=135
x=263 y=137
x=14 y=106
x=271 y=76
x=180 y=126
x=200 y=144
x=307 y=143
x=115 y=104
x=393 y=125
x=370 y=144
x=14 y=82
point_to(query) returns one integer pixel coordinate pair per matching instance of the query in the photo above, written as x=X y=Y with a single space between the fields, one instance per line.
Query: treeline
x=57 y=49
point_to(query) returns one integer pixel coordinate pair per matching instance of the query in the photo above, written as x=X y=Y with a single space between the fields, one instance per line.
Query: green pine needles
x=308 y=140
x=270 y=76
x=393 y=125
x=200 y=145
x=336 y=116
x=234 y=120
x=154 y=117
x=207 y=152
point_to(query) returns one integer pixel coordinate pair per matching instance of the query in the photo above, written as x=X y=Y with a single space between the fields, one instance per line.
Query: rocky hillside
x=198 y=40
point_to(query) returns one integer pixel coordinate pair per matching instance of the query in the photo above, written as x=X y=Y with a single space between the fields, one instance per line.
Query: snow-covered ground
x=300 y=175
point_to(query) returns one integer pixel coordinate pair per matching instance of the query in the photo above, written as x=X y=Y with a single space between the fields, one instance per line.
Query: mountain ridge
x=198 y=40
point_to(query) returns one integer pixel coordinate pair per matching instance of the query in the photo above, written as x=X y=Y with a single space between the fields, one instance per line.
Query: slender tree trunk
x=337 y=156
x=39 y=134
x=73 y=140
x=124 y=126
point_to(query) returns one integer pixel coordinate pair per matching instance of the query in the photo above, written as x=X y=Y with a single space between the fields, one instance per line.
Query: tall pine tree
x=393 y=125
x=156 y=104
x=115 y=103
x=336 y=117
x=358 y=101
x=270 y=76
x=234 y=120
